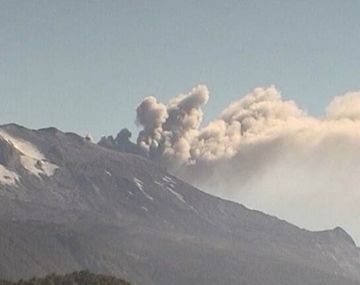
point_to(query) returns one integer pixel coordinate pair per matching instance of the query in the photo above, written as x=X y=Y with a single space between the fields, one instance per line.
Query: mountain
x=74 y=278
x=68 y=204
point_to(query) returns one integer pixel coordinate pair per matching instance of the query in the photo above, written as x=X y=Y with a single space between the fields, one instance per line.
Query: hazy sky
x=85 y=65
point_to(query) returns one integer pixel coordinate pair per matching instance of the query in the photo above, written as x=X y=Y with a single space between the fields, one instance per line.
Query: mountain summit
x=68 y=204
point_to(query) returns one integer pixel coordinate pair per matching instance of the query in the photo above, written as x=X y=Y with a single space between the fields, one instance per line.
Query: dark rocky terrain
x=68 y=204
x=74 y=278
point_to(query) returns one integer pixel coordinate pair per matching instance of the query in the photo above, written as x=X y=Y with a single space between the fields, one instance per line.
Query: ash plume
x=263 y=151
x=169 y=130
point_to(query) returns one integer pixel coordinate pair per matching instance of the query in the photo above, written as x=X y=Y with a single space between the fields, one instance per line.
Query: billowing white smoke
x=264 y=152
x=170 y=130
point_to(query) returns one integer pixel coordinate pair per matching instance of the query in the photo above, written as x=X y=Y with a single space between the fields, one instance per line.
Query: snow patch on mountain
x=168 y=184
x=168 y=179
x=140 y=185
x=177 y=195
x=159 y=183
x=31 y=158
x=145 y=209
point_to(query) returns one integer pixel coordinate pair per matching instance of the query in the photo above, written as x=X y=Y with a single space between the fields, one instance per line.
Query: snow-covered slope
x=68 y=204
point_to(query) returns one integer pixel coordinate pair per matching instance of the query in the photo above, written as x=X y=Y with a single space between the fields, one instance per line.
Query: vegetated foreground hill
x=67 y=204
x=75 y=278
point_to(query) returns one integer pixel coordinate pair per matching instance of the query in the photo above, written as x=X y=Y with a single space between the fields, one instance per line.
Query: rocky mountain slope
x=74 y=278
x=68 y=204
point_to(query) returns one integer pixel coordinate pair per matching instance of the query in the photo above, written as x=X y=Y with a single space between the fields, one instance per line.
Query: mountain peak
x=117 y=212
x=342 y=234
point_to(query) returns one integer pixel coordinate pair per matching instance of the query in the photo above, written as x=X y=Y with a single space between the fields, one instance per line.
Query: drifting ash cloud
x=265 y=152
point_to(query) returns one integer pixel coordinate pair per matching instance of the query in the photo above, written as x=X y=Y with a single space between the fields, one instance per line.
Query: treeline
x=75 y=278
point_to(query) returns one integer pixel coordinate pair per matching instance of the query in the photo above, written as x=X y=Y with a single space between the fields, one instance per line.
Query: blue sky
x=84 y=66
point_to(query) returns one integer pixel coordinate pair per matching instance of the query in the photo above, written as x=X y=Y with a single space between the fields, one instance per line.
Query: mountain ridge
x=99 y=205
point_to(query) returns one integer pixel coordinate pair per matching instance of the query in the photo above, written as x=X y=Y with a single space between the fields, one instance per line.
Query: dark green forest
x=75 y=278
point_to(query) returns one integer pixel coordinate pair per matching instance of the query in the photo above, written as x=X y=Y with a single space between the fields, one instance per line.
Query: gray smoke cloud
x=170 y=130
x=264 y=152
